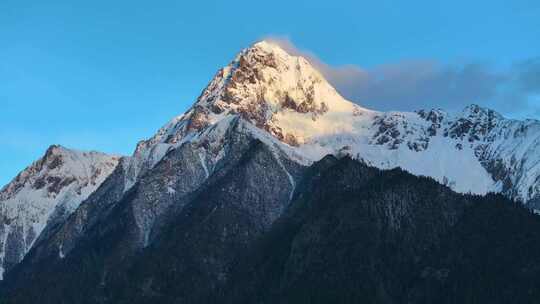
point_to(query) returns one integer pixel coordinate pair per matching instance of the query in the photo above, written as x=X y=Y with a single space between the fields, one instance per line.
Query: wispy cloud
x=420 y=84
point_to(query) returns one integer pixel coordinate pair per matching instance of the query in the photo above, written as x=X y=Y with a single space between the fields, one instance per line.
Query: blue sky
x=102 y=75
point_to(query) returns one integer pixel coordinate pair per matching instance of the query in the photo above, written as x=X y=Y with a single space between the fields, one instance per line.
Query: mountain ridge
x=289 y=99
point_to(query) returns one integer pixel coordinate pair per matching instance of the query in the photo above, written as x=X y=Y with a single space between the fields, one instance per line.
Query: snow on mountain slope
x=289 y=102
x=49 y=189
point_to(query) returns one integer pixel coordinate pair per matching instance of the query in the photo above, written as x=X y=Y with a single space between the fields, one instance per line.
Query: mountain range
x=274 y=188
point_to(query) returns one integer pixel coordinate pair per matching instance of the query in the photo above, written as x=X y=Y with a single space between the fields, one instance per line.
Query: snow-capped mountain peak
x=287 y=100
x=49 y=189
x=281 y=94
x=277 y=92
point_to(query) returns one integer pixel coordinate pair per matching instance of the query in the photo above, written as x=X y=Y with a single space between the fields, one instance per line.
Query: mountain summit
x=279 y=93
x=282 y=95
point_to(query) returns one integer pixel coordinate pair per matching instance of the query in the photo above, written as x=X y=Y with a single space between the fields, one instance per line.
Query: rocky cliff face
x=46 y=193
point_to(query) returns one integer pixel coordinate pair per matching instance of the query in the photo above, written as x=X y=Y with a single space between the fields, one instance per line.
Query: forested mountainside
x=351 y=233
